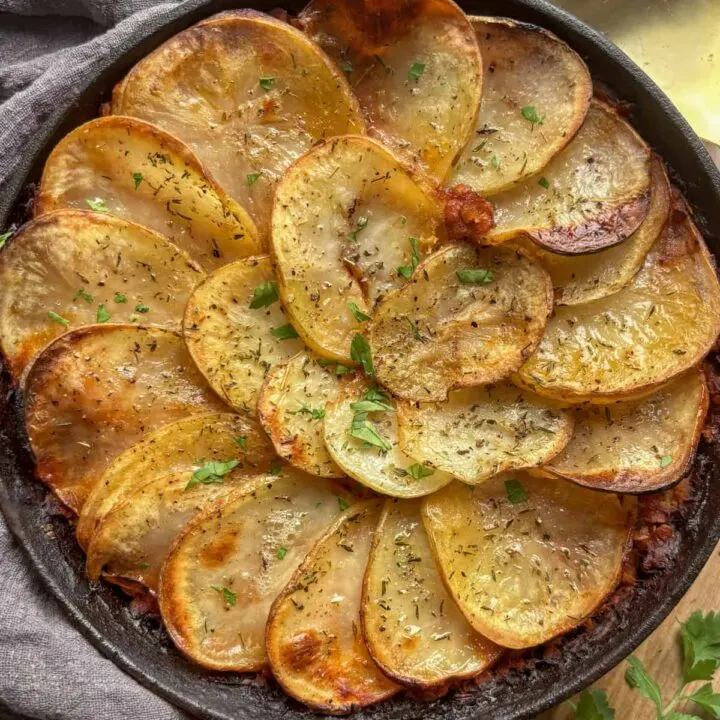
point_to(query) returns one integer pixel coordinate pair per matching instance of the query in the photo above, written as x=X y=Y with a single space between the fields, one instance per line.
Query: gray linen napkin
x=47 y=669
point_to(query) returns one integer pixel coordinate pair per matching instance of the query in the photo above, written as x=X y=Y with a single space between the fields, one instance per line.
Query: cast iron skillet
x=141 y=648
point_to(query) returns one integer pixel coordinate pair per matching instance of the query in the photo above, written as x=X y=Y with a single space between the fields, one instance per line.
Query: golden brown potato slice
x=349 y=225
x=291 y=408
x=415 y=67
x=231 y=562
x=236 y=330
x=95 y=391
x=639 y=446
x=664 y=322
x=314 y=640
x=74 y=268
x=469 y=316
x=482 y=431
x=581 y=278
x=361 y=434
x=536 y=93
x=413 y=628
x=592 y=195
x=248 y=93
x=138 y=172
x=176 y=448
x=527 y=558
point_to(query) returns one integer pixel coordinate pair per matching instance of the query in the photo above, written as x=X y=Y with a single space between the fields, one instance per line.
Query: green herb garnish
x=543 y=182
x=98 y=205
x=281 y=553
x=252 y=178
x=102 y=315
x=120 y=298
x=416 y=71
x=84 y=295
x=360 y=352
x=267 y=83
x=407 y=270
x=357 y=313
x=516 y=492
x=530 y=114
x=284 y=332
x=137 y=179
x=264 y=295
x=142 y=308
x=58 y=318
x=229 y=597
x=474 y=276
x=212 y=473
x=315 y=413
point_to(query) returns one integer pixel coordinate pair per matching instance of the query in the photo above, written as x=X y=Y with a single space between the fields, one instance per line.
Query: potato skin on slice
x=249 y=543
x=95 y=391
x=389 y=472
x=291 y=408
x=314 y=639
x=439 y=333
x=414 y=66
x=143 y=174
x=413 y=629
x=83 y=266
x=231 y=342
x=637 y=447
x=579 y=279
x=248 y=93
x=176 y=448
x=527 y=558
x=344 y=221
x=626 y=345
x=482 y=431
x=526 y=70
x=597 y=194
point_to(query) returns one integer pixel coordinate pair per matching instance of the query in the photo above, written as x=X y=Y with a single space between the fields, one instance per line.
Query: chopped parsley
x=495 y=162
x=281 y=553
x=530 y=114
x=142 y=308
x=252 y=178
x=228 y=596
x=267 y=83
x=58 y=318
x=4 y=237
x=211 y=473
x=315 y=413
x=137 y=179
x=665 y=460
x=347 y=67
x=361 y=224
x=474 y=276
x=102 y=315
x=284 y=332
x=120 y=298
x=543 y=182
x=406 y=271
x=416 y=71
x=241 y=440
x=83 y=294
x=414 y=329
x=360 y=352
x=264 y=295
x=98 y=205
x=416 y=471
x=275 y=467
x=357 y=313
x=373 y=400
x=343 y=504
x=516 y=492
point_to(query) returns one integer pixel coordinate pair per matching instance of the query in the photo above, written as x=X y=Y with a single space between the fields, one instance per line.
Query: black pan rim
x=562 y=24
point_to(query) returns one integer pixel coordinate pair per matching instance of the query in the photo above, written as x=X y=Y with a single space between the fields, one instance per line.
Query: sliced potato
x=415 y=67
x=347 y=217
x=664 y=322
x=232 y=343
x=314 y=640
x=413 y=628
x=74 y=268
x=132 y=541
x=640 y=446
x=581 y=278
x=442 y=332
x=527 y=558
x=138 y=172
x=364 y=443
x=231 y=562
x=248 y=93
x=528 y=73
x=96 y=391
x=482 y=431
x=592 y=195
x=291 y=408
x=176 y=448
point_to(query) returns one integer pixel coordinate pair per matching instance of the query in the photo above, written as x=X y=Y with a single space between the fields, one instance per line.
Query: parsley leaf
x=343 y=504
x=636 y=676
x=701 y=646
x=142 y=308
x=275 y=467
x=594 y=706
x=211 y=472
x=4 y=237
x=707 y=699
x=264 y=295
x=407 y=270
x=360 y=352
x=102 y=315
x=416 y=71
x=137 y=179
x=530 y=114
x=98 y=205
x=267 y=83
x=315 y=413
x=229 y=597
x=281 y=553
x=58 y=318
x=516 y=491
x=495 y=162
x=347 y=66
x=416 y=471
x=415 y=331
x=252 y=178
x=474 y=276
x=364 y=430
x=361 y=224
x=84 y=294
x=284 y=332
x=543 y=182
x=241 y=440
x=357 y=313
x=665 y=460
x=120 y=298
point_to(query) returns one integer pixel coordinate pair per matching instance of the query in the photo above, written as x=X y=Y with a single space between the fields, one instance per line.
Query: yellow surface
x=676 y=42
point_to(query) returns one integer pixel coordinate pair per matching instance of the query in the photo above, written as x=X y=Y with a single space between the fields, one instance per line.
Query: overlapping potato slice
x=361 y=435
x=138 y=172
x=529 y=76
x=415 y=67
x=637 y=446
x=349 y=225
x=248 y=93
x=96 y=391
x=176 y=448
x=624 y=345
x=527 y=558
x=581 y=278
x=291 y=408
x=482 y=431
x=469 y=316
x=314 y=639
x=231 y=563
x=74 y=268
x=413 y=628
x=236 y=330
x=592 y=195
